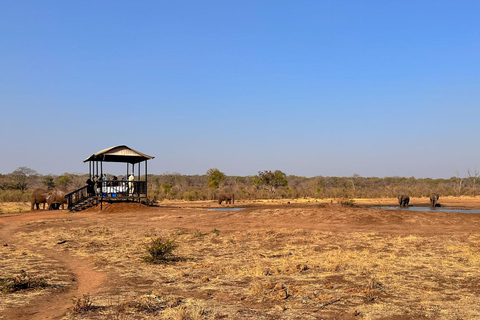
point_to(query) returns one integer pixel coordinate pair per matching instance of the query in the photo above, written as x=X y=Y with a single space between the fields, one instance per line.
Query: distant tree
x=48 y=182
x=166 y=187
x=65 y=180
x=270 y=180
x=215 y=177
x=4 y=182
x=473 y=175
x=20 y=177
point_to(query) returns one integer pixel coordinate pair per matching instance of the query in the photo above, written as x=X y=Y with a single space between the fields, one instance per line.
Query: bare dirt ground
x=309 y=259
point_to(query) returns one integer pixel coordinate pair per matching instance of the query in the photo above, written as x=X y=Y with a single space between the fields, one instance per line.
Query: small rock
x=61 y=242
x=5 y=245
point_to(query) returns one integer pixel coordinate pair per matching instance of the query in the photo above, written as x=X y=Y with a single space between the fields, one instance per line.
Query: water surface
x=428 y=209
x=225 y=209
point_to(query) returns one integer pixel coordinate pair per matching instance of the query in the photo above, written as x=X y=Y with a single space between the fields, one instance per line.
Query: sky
x=331 y=88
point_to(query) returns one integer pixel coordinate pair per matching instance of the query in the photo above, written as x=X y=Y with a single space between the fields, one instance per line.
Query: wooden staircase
x=79 y=199
x=121 y=191
x=85 y=204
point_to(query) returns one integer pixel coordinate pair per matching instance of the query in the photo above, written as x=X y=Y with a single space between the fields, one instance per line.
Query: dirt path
x=54 y=305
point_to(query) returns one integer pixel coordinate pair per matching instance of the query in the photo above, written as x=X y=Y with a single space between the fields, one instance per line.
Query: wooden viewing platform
x=100 y=189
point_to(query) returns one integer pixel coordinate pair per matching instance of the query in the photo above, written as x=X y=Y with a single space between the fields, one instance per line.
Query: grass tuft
x=82 y=304
x=23 y=281
x=160 y=251
x=348 y=203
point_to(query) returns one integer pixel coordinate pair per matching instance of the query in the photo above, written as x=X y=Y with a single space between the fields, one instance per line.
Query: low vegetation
x=160 y=251
x=348 y=203
x=22 y=281
x=82 y=304
x=16 y=186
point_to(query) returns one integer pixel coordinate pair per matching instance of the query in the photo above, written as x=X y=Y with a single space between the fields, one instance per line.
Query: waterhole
x=225 y=209
x=428 y=209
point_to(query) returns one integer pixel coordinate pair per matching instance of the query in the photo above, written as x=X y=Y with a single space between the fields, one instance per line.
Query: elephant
x=55 y=198
x=403 y=200
x=434 y=200
x=38 y=196
x=229 y=198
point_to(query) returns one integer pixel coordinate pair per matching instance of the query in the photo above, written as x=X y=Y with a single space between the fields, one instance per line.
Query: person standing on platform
x=90 y=187
x=131 y=178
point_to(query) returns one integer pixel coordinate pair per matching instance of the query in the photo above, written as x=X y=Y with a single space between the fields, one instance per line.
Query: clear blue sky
x=333 y=88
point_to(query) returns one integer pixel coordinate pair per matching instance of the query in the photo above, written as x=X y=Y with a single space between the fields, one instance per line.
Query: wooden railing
x=109 y=189
x=117 y=188
x=77 y=196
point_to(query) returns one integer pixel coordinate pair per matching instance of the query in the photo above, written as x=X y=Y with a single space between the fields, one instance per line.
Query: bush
x=21 y=282
x=14 y=196
x=82 y=304
x=347 y=203
x=160 y=251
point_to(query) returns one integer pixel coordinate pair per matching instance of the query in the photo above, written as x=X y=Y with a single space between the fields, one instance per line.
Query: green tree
x=48 y=181
x=65 y=180
x=20 y=177
x=166 y=187
x=270 y=180
x=215 y=177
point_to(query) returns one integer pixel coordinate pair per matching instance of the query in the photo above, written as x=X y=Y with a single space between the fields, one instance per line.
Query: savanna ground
x=305 y=260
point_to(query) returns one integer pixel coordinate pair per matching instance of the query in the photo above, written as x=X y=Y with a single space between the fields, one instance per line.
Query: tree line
x=267 y=184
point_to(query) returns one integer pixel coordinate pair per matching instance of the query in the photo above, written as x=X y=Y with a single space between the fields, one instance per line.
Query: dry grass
x=14 y=207
x=37 y=266
x=264 y=273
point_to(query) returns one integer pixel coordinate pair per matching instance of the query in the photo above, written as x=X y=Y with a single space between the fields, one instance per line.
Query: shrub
x=348 y=203
x=82 y=304
x=21 y=282
x=160 y=251
x=14 y=196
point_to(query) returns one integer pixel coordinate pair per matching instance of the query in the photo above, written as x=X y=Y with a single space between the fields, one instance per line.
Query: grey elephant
x=229 y=198
x=434 y=200
x=55 y=199
x=38 y=196
x=403 y=200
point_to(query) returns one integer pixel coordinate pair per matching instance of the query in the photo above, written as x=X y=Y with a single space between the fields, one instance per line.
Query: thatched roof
x=119 y=154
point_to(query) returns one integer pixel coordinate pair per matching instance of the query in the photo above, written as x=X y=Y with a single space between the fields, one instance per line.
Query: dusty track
x=85 y=280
